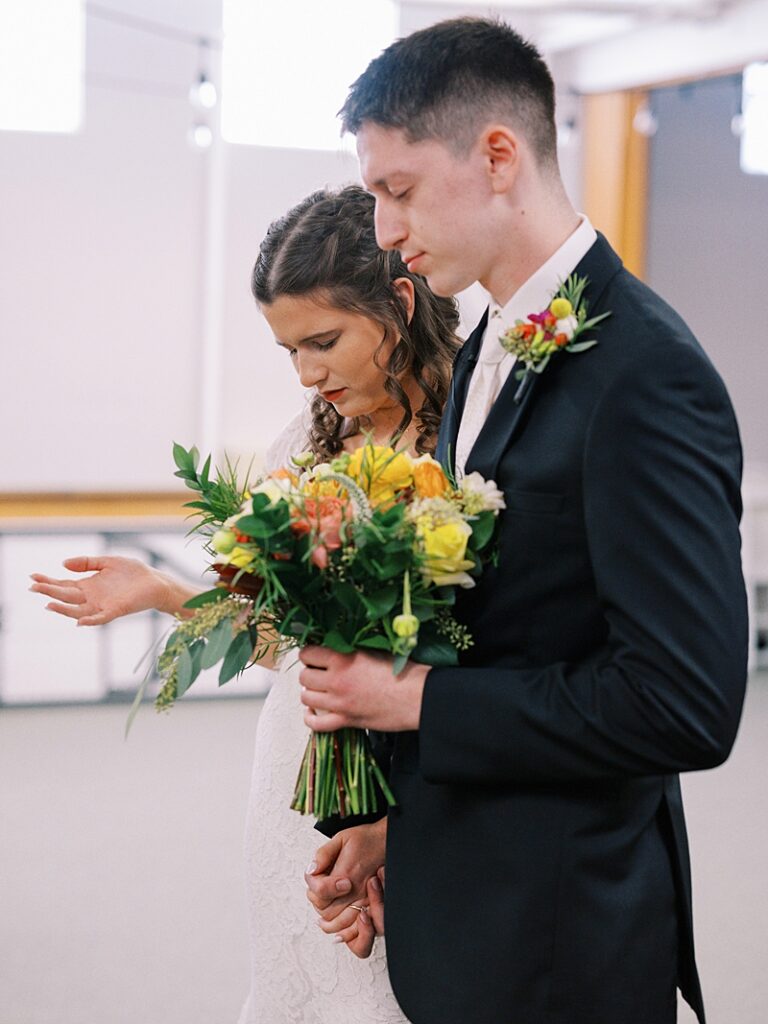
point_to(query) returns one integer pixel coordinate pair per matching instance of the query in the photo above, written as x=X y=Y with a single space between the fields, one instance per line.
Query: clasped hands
x=348 y=874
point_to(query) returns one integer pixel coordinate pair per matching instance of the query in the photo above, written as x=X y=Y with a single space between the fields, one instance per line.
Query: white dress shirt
x=494 y=363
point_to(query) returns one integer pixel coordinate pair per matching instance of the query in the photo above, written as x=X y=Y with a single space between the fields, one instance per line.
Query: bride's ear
x=404 y=288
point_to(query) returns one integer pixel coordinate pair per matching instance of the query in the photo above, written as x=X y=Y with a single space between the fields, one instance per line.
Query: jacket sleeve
x=661 y=476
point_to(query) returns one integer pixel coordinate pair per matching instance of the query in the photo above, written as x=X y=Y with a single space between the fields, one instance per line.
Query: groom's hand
x=340 y=871
x=359 y=691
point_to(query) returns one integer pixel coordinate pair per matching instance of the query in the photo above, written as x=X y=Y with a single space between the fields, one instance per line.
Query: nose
x=310 y=369
x=388 y=222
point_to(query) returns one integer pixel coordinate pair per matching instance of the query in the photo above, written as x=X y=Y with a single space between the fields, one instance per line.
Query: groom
x=537 y=865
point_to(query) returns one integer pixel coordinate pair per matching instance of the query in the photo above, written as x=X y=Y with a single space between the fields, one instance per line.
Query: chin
x=446 y=285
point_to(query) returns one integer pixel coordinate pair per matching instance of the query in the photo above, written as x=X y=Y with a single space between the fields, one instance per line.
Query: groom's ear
x=500 y=148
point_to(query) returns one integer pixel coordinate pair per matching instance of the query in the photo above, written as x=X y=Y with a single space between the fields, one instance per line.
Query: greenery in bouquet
x=360 y=553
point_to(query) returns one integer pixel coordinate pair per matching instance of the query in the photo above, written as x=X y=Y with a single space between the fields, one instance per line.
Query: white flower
x=275 y=488
x=567 y=326
x=481 y=495
x=437 y=511
x=309 y=476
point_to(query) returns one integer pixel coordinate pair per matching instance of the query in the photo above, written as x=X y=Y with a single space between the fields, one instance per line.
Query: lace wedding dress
x=298 y=974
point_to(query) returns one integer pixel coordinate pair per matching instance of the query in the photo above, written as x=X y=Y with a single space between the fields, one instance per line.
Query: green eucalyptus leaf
x=184 y=672
x=171 y=639
x=218 y=644
x=580 y=346
x=237 y=657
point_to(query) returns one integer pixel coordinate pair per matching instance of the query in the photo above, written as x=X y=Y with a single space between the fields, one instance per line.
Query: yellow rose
x=240 y=557
x=446 y=547
x=380 y=472
x=429 y=479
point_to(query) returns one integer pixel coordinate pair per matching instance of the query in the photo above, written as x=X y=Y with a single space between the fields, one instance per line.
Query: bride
x=374 y=346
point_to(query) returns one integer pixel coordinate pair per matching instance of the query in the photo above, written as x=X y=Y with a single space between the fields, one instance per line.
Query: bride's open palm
x=118 y=586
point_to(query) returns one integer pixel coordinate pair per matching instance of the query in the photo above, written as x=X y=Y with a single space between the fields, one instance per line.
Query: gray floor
x=121 y=878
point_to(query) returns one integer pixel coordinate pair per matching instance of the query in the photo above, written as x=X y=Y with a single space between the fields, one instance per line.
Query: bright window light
x=754 y=106
x=42 y=46
x=287 y=66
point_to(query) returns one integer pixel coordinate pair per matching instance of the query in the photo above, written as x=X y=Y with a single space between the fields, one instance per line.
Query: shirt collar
x=536 y=293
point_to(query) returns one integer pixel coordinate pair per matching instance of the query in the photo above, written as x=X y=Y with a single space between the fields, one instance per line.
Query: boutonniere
x=558 y=328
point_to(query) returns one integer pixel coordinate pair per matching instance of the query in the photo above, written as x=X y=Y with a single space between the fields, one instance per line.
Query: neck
x=539 y=226
x=383 y=423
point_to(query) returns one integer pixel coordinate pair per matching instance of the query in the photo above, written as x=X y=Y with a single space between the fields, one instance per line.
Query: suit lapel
x=510 y=409
x=463 y=366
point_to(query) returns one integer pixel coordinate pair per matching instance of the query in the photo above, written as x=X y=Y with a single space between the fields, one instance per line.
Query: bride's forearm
x=267 y=636
x=172 y=595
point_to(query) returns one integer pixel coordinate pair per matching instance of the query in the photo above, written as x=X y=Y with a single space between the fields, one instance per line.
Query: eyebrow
x=309 y=338
x=386 y=182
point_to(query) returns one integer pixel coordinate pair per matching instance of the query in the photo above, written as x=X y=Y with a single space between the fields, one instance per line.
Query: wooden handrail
x=93 y=503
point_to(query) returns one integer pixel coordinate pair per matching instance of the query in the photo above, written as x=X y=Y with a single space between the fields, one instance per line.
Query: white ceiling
x=554 y=25
x=557 y=25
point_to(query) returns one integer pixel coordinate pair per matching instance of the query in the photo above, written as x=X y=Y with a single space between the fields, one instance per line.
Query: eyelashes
x=316 y=346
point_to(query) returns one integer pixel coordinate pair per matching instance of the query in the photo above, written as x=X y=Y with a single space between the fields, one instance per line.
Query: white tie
x=484 y=387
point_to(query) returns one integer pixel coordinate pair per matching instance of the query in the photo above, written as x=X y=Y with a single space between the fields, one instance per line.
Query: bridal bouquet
x=360 y=553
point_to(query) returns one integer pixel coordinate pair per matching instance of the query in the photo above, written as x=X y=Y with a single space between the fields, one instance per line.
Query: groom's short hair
x=448 y=81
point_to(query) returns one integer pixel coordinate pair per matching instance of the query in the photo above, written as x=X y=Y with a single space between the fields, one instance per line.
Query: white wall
x=103 y=247
x=103 y=276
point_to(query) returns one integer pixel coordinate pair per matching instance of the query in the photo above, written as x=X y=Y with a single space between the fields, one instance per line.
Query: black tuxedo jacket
x=537 y=864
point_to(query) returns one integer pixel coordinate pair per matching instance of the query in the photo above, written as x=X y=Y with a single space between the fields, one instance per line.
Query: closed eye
x=320 y=346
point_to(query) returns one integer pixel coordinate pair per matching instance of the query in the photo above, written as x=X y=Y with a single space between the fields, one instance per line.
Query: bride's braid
x=327 y=244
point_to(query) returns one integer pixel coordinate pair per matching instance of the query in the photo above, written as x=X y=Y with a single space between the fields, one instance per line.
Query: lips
x=411 y=261
x=333 y=396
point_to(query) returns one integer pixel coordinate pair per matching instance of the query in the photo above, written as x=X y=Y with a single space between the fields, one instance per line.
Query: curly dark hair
x=327 y=244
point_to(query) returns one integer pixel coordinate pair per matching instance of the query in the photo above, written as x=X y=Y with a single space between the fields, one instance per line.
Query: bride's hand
x=119 y=586
x=369 y=923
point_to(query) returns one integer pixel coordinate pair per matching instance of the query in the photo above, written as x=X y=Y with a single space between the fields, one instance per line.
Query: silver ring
x=354 y=906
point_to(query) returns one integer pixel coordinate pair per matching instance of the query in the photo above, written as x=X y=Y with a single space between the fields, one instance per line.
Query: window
x=287 y=66
x=754 y=106
x=42 y=46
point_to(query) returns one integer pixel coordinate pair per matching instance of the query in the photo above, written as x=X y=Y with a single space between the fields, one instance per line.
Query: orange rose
x=429 y=479
x=325 y=517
